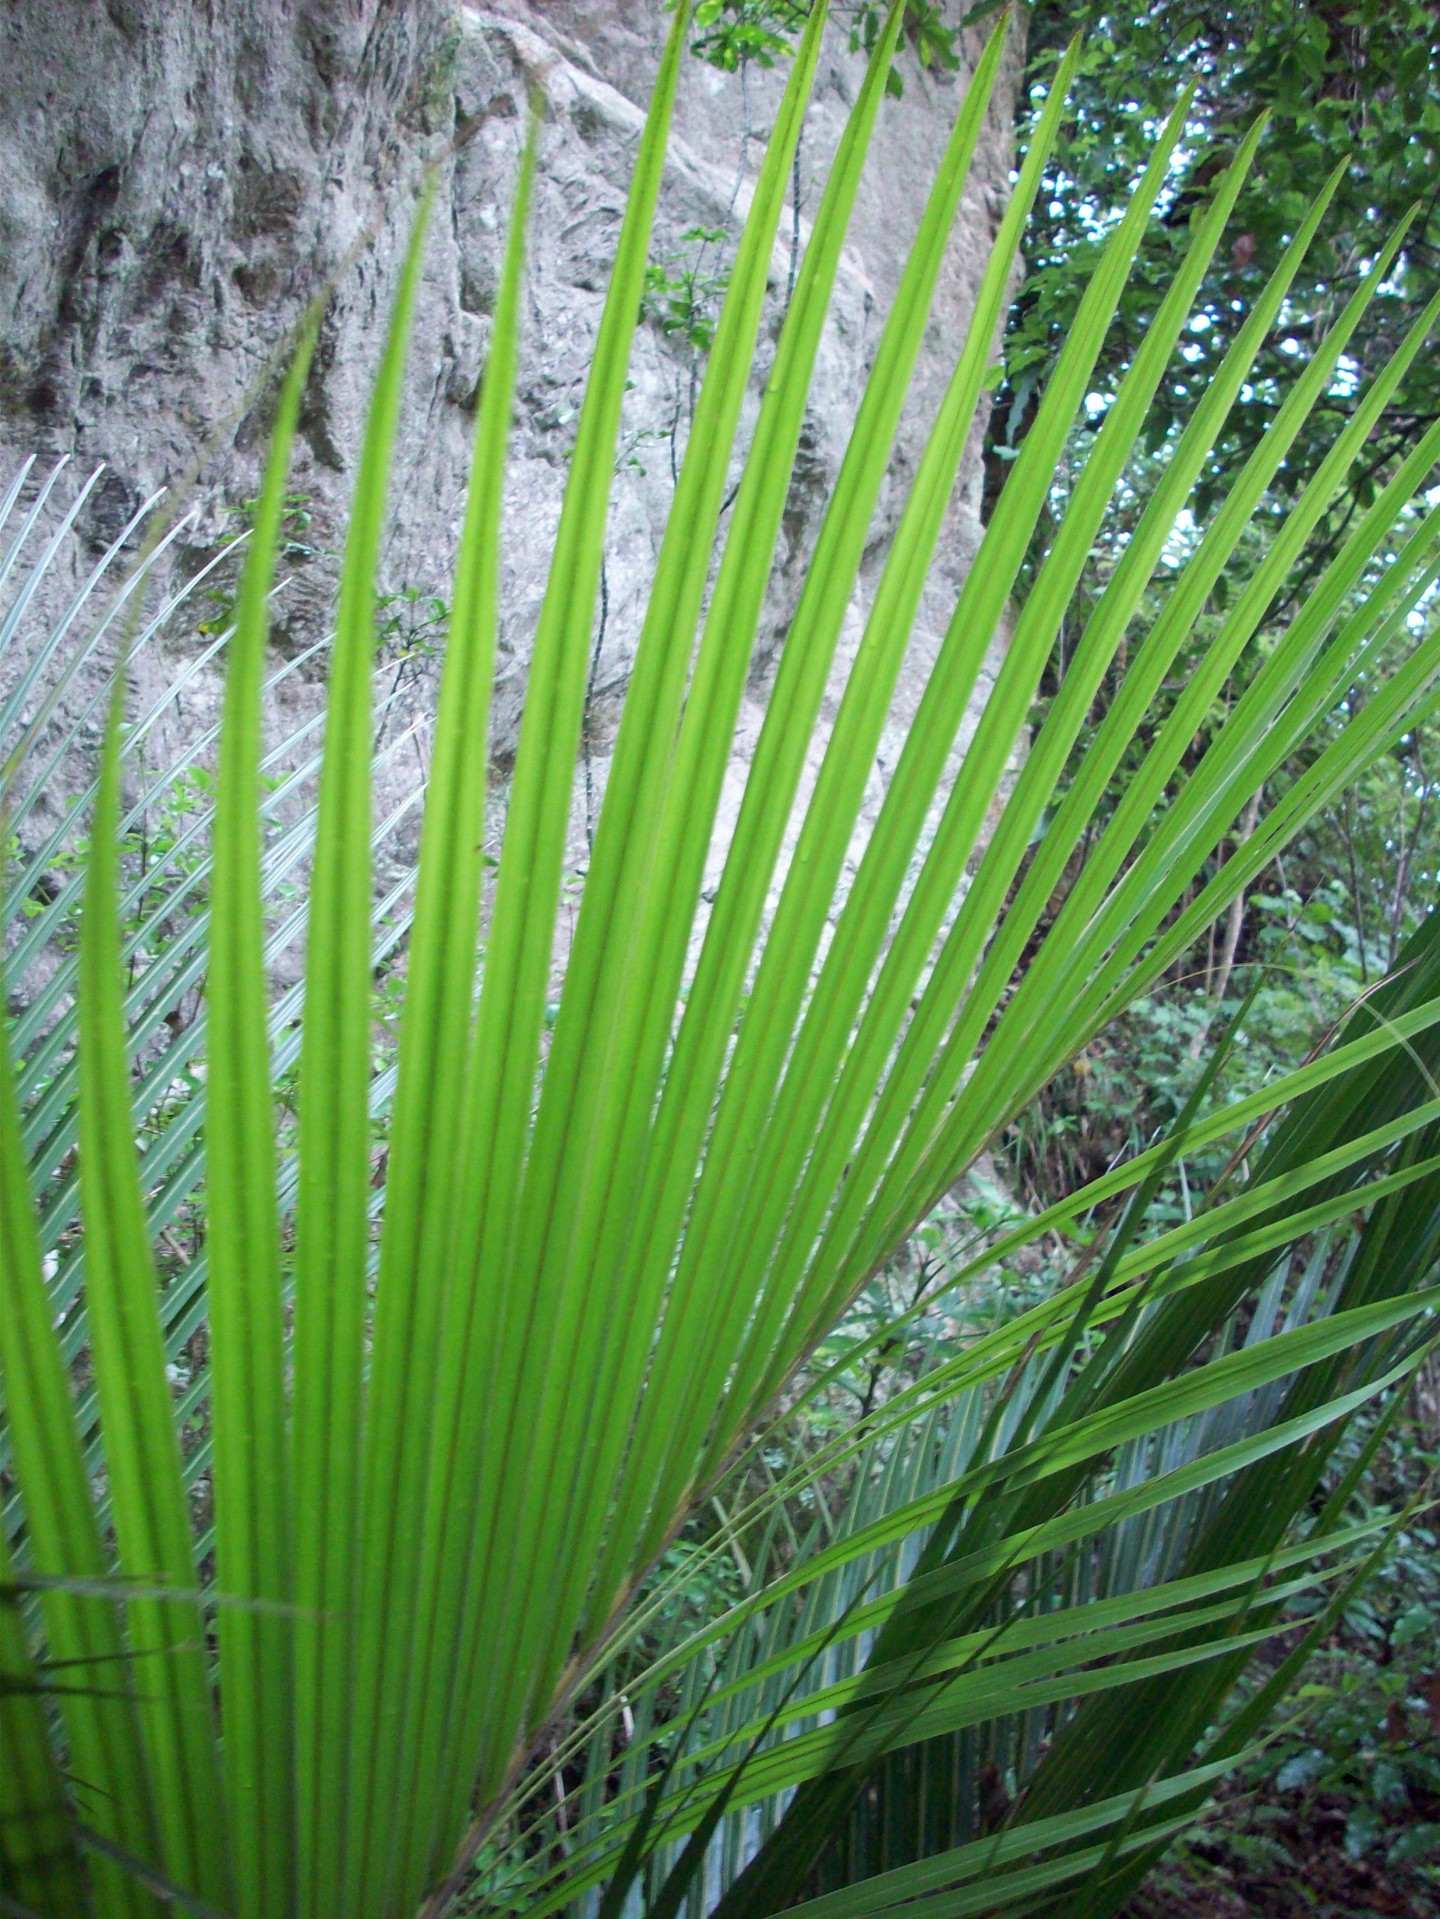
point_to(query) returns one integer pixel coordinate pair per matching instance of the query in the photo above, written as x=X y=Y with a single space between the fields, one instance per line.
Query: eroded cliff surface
x=180 y=179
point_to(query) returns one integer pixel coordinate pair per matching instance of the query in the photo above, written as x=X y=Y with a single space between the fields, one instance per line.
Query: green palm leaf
x=594 y=1259
x=251 y=1468
x=142 y=1456
x=863 y=1578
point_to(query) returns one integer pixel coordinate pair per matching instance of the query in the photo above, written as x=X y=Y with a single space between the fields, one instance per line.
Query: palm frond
x=1018 y=1640
x=527 y=1342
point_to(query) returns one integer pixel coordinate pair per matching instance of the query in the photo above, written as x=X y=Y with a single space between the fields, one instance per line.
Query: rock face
x=178 y=180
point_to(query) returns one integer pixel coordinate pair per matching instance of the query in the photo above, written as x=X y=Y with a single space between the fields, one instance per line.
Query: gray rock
x=178 y=182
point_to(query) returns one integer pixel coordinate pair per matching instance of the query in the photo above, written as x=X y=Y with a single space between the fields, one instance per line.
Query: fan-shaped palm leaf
x=601 y=1253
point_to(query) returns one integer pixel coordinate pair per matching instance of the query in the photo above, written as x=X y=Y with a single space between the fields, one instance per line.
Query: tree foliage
x=1346 y=83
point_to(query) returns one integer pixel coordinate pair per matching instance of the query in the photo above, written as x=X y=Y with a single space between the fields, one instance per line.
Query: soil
x=1281 y=1856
